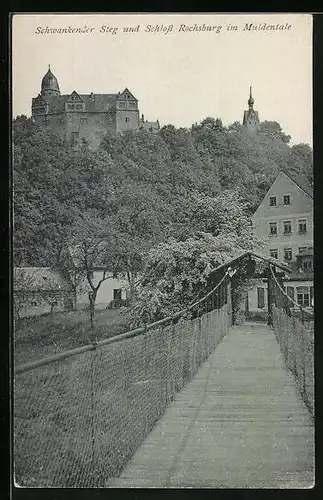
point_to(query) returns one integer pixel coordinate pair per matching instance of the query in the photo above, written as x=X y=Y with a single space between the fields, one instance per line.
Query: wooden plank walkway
x=239 y=424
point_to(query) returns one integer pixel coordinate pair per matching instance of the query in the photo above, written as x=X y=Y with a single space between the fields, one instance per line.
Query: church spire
x=250 y=116
x=251 y=99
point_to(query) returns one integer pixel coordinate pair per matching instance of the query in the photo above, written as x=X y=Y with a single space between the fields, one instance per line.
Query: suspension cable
x=117 y=338
x=284 y=293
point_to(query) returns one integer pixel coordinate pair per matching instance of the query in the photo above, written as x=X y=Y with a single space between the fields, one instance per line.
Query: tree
x=274 y=130
x=176 y=273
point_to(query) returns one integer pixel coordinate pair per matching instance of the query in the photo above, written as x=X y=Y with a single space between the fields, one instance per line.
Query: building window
x=286 y=199
x=79 y=106
x=127 y=119
x=303 y=298
x=117 y=294
x=290 y=292
x=302 y=249
x=272 y=228
x=84 y=119
x=287 y=227
x=272 y=201
x=312 y=296
x=121 y=104
x=273 y=253
x=302 y=226
x=307 y=265
x=288 y=254
x=261 y=297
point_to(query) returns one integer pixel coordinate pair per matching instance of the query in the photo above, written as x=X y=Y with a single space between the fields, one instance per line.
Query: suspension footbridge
x=194 y=400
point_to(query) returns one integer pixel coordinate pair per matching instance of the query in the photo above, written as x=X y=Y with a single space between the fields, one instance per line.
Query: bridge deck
x=239 y=424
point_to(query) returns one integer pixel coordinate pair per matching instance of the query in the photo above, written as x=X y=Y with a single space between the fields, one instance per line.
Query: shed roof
x=38 y=279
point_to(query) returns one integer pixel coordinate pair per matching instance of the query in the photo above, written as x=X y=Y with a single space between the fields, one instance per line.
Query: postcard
x=163 y=290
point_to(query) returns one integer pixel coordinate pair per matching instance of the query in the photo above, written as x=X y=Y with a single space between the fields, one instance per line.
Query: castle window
x=302 y=226
x=273 y=253
x=272 y=201
x=287 y=227
x=286 y=199
x=288 y=254
x=273 y=228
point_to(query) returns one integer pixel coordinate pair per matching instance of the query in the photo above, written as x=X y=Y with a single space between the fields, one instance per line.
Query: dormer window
x=272 y=201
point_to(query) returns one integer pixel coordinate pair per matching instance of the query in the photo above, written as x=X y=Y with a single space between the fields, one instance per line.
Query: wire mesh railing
x=294 y=329
x=80 y=416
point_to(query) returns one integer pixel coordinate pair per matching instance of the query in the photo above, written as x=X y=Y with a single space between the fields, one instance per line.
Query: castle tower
x=250 y=116
x=49 y=84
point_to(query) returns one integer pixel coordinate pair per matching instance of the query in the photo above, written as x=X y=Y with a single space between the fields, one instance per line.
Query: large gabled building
x=284 y=220
x=86 y=116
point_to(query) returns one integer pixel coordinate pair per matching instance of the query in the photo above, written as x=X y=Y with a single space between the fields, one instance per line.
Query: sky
x=179 y=76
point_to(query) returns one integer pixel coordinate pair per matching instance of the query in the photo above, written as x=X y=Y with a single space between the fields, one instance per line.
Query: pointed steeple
x=250 y=116
x=251 y=100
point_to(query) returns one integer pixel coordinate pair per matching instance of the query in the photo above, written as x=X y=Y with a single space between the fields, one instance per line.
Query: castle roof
x=93 y=102
x=49 y=82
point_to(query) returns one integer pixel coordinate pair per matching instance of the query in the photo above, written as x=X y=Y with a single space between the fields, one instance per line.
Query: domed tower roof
x=49 y=84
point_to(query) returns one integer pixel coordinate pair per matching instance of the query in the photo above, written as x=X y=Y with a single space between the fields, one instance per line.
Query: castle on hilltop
x=89 y=116
x=86 y=116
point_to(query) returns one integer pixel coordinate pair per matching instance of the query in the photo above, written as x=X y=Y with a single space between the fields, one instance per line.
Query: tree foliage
x=142 y=194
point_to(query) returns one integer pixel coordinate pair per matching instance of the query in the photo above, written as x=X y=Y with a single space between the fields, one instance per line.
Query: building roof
x=147 y=125
x=301 y=182
x=93 y=102
x=49 y=82
x=38 y=279
x=298 y=274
